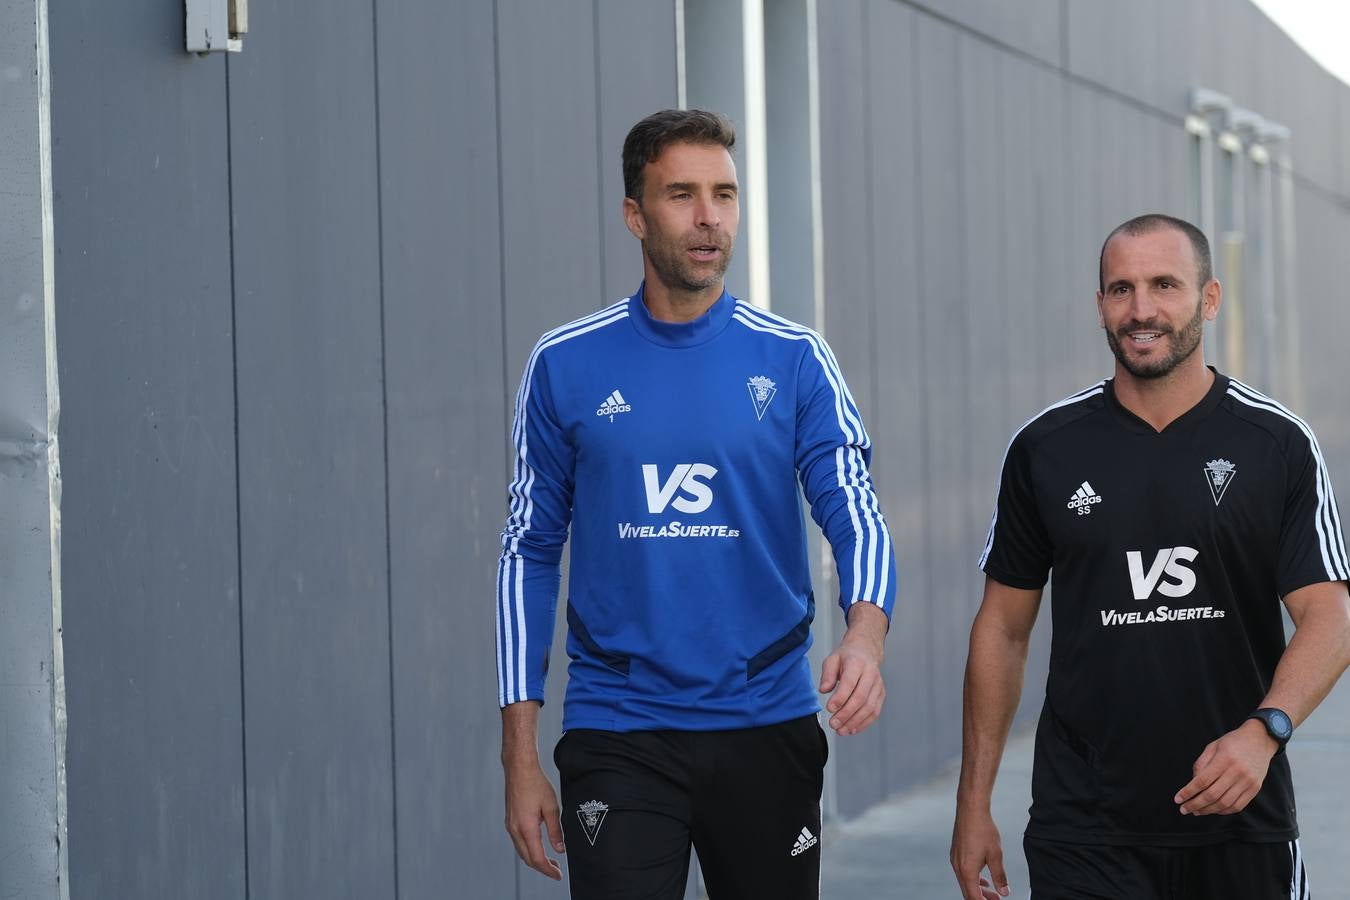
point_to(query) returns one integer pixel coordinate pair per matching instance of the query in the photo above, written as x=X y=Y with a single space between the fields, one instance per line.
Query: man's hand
x=530 y=802
x=1229 y=772
x=530 y=799
x=976 y=844
x=853 y=671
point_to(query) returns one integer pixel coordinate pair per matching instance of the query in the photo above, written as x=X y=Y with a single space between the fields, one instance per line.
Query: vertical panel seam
x=501 y=210
x=970 y=520
x=1063 y=37
x=916 y=110
x=869 y=159
x=59 y=710
x=384 y=410
x=599 y=153
x=238 y=501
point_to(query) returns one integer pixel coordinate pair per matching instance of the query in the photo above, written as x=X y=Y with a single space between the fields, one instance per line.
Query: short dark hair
x=658 y=131
x=1151 y=222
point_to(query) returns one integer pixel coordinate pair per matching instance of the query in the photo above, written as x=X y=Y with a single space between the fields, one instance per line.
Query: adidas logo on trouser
x=805 y=841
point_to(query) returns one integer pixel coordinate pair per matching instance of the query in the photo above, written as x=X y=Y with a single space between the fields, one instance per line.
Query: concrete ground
x=899 y=848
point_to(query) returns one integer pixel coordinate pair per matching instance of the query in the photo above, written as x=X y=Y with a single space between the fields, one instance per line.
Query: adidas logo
x=805 y=841
x=613 y=405
x=1083 y=499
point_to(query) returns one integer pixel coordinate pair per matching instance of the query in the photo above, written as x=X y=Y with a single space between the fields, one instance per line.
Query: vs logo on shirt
x=1168 y=574
x=686 y=490
x=1169 y=561
x=696 y=496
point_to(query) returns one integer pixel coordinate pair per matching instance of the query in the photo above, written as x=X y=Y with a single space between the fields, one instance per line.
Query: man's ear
x=633 y=218
x=1101 y=319
x=1212 y=297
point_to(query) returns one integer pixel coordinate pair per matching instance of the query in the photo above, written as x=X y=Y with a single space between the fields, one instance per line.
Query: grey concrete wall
x=295 y=293
x=32 y=752
x=300 y=285
x=152 y=569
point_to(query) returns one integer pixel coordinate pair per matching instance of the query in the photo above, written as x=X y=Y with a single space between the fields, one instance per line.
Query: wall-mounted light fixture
x=1204 y=104
x=214 y=25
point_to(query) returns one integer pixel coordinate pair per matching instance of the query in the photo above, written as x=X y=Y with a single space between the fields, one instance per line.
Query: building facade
x=293 y=289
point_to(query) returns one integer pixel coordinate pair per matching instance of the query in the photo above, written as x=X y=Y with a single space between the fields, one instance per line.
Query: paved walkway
x=899 y=849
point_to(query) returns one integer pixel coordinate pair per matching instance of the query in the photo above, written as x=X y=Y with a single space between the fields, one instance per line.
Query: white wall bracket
x=216 y=25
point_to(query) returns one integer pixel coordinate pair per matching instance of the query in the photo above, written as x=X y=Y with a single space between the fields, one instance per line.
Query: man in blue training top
x=669 y=431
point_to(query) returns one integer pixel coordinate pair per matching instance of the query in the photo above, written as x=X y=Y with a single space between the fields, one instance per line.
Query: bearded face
x=1180 y=344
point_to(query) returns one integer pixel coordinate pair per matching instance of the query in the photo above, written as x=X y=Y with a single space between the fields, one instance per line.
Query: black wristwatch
x=1277 y=722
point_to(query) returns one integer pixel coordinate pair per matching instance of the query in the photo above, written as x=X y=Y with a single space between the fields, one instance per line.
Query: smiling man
x=670 y=431
x=1174 y=508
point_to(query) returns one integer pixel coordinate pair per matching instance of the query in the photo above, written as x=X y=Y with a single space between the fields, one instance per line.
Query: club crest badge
x=1219 y=474
x=592 y=815
x=761 y=394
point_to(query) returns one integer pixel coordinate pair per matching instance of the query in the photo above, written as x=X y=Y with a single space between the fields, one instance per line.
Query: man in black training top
x=1175 y=508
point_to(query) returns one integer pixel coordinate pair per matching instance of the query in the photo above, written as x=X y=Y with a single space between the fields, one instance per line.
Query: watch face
x=1280 y=724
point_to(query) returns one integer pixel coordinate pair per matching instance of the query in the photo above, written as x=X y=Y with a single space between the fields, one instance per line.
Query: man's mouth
x=1144 y=337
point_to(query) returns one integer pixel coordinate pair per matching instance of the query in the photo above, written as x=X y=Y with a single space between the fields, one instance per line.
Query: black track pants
x=1230 y=871
x=747 y=800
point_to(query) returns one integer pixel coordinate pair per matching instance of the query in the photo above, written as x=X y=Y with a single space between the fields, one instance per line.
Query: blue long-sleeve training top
x=673 y=451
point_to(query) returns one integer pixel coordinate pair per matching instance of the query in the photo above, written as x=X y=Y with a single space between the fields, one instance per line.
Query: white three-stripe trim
x=511 y=599
x=1330 y=540
x=1298 y=877
x=850 y=469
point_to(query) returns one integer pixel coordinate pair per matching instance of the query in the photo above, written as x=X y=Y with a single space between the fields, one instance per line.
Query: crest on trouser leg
x=591 y=814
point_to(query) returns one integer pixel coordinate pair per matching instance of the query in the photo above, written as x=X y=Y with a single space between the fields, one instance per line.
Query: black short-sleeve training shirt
x=1169 y=552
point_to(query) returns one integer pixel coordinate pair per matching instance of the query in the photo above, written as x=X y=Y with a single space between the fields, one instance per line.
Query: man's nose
x=1143 y=305
x=707 y=215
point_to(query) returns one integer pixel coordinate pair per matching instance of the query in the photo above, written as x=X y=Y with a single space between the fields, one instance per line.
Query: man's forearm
x=1316 y=657
x=867 y=623
x=993 y=686
x=520 y=733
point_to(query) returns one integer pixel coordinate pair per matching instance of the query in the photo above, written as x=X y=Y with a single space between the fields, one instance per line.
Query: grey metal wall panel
x=1322 y=228
x=988 y=159
x=446 y=426
x=1120 y=46
x=552 y=243
x=1039 y=153
x=787 y=108
x=1084 y=186
x=1007 y=318
x=939 y=54
x=150 y=571
x=1026 y=324
x=898 y=426
x=311 y=455
x=1342 y=138
x=1307 y=104
x=27 y=749
x=1224 y=44
x=849 y=305
x=634 y=77
x=1031 y=26
x=714 y=66
x=549 y=171
x=31 y=748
